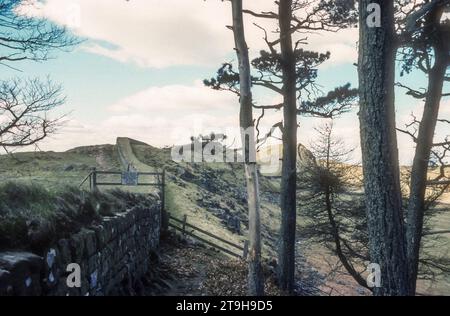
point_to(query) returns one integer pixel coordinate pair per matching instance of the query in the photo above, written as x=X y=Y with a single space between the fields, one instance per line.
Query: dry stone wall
x=112 y=256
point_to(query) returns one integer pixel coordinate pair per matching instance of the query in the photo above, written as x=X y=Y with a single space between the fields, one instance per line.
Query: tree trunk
x=337 y=241
x=379 y=150
x=255 y=275
x=334 y=226
x=286 y=254
x=425 y=138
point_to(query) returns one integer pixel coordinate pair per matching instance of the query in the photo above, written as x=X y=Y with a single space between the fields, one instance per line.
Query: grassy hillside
x=53 y=170
x=33 y=217
x=213 y=196
x=40 y=197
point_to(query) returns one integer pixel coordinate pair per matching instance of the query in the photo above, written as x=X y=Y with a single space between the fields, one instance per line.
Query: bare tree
x=332 y=204
x=25 y=105
x=294 y=69
x=25 y=108
x=291 y=72
x=333 y=208
x=255 y=274
x=27 y=38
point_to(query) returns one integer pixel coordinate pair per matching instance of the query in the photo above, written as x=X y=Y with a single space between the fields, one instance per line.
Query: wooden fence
x=127 y=179
x=132 y=179
x=186 y=228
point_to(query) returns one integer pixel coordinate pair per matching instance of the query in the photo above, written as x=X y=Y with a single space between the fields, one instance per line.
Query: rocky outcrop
x=270 y=159
x=305 y=158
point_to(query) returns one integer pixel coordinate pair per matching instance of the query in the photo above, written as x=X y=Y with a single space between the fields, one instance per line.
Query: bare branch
x=25 y=111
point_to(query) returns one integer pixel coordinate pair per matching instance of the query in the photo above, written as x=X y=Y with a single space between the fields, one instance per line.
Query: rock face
x=270 y=158
x=112 y=256
x=305 y=157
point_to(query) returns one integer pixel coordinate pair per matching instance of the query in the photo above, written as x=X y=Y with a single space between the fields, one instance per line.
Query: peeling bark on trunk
x=286 y=252
x=379 y=150
x=255 y=275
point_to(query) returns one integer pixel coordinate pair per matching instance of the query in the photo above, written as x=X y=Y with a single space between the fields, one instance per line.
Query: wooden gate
x=127 y=178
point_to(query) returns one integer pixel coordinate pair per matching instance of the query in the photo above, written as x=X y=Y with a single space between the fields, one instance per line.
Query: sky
x=139 y=72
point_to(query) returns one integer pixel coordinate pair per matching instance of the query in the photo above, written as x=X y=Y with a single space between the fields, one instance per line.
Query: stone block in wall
x=51 y=270
x=24 y=273
x=106 y=262
x=101 y=234
x=5 y=283
x=115 y=252
x=94 y=263
x=77 y=247
x=109 y=229
x=90 y=240
x=85 y=281
x=65 y=253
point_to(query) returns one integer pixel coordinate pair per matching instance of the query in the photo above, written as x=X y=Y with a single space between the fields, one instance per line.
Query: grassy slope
x=204 y=192
x=40 y=198
x=189 y=193
x=52 y=170
x=207 y=193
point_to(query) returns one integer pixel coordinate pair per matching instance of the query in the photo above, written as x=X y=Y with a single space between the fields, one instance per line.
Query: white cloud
x=153 y=33
x=342 y=45
x=445 y=108
x=178 y=99
x=162 y=33
x=170 y=114
x=161 y=116
x=405 y=117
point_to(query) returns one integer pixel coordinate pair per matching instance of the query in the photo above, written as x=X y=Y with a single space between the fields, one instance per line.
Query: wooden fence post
x=94 y=179
x=164 y=213
x=184 y=224
x=163 y=189
x=245 y=254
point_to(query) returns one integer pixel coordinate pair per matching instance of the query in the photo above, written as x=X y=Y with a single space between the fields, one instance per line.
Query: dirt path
x=129 y=160
x=183 y=269
x=127 y=156
x=182 y=266
x=189 y=269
